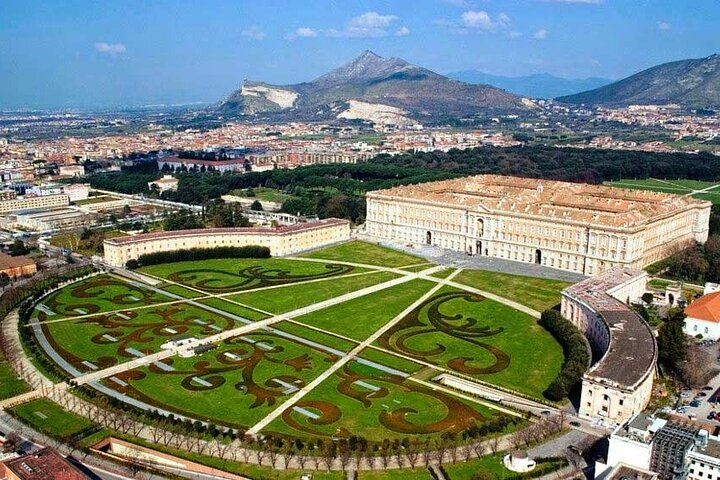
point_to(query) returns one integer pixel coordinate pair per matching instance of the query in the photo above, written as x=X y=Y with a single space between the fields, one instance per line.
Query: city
x=279 y=240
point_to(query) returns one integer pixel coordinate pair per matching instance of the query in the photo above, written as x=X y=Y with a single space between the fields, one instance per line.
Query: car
x=701 y=394
x=695 y=403
x=545 y=413
x=708 y=388
x=685 y=394
x=711 y=416
x=575 y=424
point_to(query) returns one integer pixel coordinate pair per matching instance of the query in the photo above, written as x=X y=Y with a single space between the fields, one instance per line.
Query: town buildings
x=583 y=228
x=15 y=267
x=44 y=464
x=164 y=184
x=619 y=383
x=283 y=240
x=30 y=201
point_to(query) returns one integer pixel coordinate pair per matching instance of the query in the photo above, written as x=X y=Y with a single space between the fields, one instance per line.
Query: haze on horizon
x=82 y=53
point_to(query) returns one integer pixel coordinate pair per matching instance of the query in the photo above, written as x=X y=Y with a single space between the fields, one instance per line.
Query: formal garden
x=342 y=344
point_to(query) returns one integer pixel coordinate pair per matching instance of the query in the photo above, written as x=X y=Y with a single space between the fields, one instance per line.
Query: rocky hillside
x=384 y=90
x=691 y=83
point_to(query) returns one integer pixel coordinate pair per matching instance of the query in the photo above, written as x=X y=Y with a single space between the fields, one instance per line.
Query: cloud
x=304 y=32
x=402 y=31
x=459 y=3
x=475 y=20
x=367 y=25
x=663 y=25
x=514 y=34
x=254 y=33
x=110 y=48
x=541 y=34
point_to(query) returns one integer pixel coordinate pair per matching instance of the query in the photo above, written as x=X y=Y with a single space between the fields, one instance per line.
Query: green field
x=10 y=384
x=50 y=418
x=536 y=293
x=103 y=321
x=367 y=253
x=678 y=187
x=263 y=194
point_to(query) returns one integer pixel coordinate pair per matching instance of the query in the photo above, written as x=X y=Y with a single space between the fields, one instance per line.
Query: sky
x=103 y=53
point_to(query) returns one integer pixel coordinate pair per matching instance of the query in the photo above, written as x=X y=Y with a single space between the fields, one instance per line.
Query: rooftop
x=43 y=465
x=632 y=351
x=706 y=307
x=283 y=230
x=579 y=202
x=8 y=261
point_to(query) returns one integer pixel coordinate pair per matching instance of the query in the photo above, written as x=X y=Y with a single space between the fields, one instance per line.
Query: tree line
x=191 y=254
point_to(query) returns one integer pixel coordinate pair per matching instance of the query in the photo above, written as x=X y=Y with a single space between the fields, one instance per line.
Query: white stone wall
x=708 y=330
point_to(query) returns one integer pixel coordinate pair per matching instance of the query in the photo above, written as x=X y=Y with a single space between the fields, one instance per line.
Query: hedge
x=575 y=348
x=250 y=251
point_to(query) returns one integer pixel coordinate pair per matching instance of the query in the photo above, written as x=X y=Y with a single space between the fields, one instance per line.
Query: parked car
x=708 y=388
x=695 y=403
x=712 y=416
x=685 y=394
x=701 y=394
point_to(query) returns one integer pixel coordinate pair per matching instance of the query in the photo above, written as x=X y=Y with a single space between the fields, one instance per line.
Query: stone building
x=16 y=267
x=285 y=240
x=619 y=383
x=583 y=228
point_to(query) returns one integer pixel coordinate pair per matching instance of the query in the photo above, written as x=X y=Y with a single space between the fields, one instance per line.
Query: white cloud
x=541 y=34
x=402 y=31
x=514 y=34
x=664 y=25
x=459 y=3
x=305 y=32
x=477 y=19
x=110 y=48
x=254 y=33
x=367 y=25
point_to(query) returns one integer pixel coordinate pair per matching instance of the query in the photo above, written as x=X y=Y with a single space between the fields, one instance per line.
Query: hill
x=539 y=85
x=690 y=83
x=384 y=90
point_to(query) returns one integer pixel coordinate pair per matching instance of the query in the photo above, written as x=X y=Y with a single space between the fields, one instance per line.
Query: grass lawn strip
x=50 y=418
x=361 y=317
x=10 y=384
x=357 y=251
x=536 y=293
x=293 y=297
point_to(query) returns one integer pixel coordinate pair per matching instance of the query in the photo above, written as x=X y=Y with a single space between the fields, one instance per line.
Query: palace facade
x=285 y=240
x=578 y=227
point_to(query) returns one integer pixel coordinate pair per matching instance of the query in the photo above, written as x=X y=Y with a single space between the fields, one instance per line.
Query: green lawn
x=237 y=274
x=484 y=339
x=231 y=307
x=313 y=335
x=494 y=468
x=10 y=384
x=85 y=339
x=678 y=187
x=292 y=297
x=357 y=251
x=361 y=317
x=50 y=418
x=533 y=292
x=182 y=291
x=361 y=400
x=264 y=194
x=238 y=380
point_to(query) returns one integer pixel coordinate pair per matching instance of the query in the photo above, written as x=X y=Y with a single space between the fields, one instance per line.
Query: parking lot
x=703 y=403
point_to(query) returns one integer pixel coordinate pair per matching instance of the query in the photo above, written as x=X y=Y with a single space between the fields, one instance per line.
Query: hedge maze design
x=428 y=320
x=255 y=276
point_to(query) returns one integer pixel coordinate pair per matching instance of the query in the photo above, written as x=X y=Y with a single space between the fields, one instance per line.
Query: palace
x=285 y=240
x=582 y=228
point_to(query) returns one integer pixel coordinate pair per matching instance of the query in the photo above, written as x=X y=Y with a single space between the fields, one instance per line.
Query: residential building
x=15 y=267
x=77 y=191
x=164 y=184
x=72 y=170
x=44 y=464
x=177 y=163
x=571 y=226
x=703 y=317
x=28 y=202
x=284 y=240
x=619 y=384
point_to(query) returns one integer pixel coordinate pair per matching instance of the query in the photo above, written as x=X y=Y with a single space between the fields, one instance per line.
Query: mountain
x=539 y=85
x=691 y=83
x=384 y=90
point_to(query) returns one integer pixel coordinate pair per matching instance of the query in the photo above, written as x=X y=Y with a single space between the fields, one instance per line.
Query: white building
x=77 y=191
x=164 y=184
x=703 y=317
x=72 y=170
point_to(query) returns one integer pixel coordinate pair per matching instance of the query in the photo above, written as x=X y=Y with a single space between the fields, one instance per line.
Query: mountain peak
x=366 y=66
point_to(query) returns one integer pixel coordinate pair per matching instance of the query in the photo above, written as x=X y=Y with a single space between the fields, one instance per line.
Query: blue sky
x=104 y=53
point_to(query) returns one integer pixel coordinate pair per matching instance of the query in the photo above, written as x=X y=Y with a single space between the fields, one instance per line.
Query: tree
x=18 y=247
x=256 y=206
x=672 y=341
x=647 y=297
x=698 y=367
x=182 y=220
x=4 y=280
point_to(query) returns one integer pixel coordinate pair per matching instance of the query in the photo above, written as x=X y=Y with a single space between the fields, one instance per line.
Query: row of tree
x=190 y=254
x=577 y=354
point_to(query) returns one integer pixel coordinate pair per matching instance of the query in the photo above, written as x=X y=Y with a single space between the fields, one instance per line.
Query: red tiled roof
x=197 y=161
x=283 y=230
x=706 y=307
x=43 y=465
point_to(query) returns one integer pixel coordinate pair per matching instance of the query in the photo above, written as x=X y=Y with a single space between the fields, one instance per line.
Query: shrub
x=250 y=251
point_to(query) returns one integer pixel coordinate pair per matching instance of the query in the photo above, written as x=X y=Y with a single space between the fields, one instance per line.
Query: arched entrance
x=428 y=238
x=478 y=247
x=538 y=256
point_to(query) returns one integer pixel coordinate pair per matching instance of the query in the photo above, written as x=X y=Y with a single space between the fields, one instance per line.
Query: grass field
x=243 y=379
x=50 y=418
x=264 y=194
x=10 y=384
x=367 y=253
x=678 y=187
x=536 y=293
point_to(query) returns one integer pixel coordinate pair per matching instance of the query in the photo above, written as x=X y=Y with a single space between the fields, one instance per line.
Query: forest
x=338 y=189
